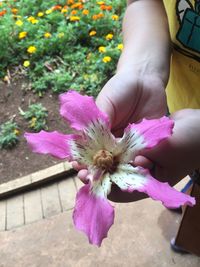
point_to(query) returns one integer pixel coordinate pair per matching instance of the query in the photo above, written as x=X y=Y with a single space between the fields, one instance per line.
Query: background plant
x=56 y=43
x=36 y=116
x=9 y=133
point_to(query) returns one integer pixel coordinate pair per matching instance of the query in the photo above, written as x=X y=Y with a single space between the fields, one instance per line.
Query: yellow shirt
x=183 y=89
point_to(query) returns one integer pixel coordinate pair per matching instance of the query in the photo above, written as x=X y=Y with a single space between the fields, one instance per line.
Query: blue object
x=187 y=186
x=189 y=32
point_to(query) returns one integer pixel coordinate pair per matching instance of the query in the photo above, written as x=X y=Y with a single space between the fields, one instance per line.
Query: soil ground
x=20 y=161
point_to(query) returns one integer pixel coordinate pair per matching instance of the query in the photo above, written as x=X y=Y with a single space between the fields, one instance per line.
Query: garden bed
x=46 y=48
x=20 y=160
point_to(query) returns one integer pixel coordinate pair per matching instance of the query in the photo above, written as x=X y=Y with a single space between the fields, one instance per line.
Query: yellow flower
x=101 y=3
x=40 y=14
x=70 y=2
x=32 y=20
x=115 y=17
x=49 y=11
x=22 y=35
x=77 y=5
x=106 y=59
x=64 y=10
x=109 y=36
x=16 y=132
x=32 y=49
x=33 y=122
x=120 y=46
x=26 y=63
x=19 y=22
x=74 y=18
x=47 y=35
x=102 y=49
x=14 y=10
x=61 y=34
x=85 y=12
x=92 y=33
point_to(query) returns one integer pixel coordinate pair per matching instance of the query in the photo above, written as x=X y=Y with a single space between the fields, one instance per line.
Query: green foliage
x=36 y=116
x=66 y=53
x=8 y=134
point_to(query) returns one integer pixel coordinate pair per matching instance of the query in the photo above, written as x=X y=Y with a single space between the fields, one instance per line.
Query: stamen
x=103 y=159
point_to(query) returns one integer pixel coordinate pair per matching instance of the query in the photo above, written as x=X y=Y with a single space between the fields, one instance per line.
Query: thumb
x=106 y=105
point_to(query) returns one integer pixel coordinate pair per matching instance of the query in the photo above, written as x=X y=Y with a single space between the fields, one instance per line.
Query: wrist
x=146 y=39
x=143 y=68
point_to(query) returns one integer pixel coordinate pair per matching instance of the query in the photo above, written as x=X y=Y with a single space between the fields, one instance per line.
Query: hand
x=179 y=155
x=129 y=97
x=172 y=159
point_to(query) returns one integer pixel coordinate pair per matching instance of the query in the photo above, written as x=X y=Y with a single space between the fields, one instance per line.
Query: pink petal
x=129 y=178
x=153 y=131
x=53 y=143
x=169 y=196
x=80 y=110
x=93 y=215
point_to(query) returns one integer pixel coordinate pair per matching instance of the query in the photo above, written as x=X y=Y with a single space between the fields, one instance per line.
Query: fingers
x=143 y=162
x=78 y=166
x=105 y=103
x=83 y=176
x=82 y=171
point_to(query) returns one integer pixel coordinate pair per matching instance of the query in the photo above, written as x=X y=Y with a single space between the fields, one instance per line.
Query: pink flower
x=108 y=160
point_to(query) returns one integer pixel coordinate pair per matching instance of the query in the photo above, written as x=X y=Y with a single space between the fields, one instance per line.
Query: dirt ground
x=20 y=161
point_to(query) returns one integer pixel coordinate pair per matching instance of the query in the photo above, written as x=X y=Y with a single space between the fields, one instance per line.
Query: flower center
x=103 y=159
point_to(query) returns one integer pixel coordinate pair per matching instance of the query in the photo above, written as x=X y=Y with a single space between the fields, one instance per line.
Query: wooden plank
x=189 y=230
x=32 y=206
x=78 y=183
x=15 y=212
x=15 y=185
x=67 y=192
x=58 y=171
x=50 y=200
x=2 y=215
x=48 y=172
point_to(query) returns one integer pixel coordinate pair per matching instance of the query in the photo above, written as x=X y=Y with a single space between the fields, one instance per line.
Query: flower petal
x=153 y=131
x=129 y=179
x=128 y=146
x=53 y=143
x=93 y=215
x=101 y=187
x=145 y=134
x=80 y=110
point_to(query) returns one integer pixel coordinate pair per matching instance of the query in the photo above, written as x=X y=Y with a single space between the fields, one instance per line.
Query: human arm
x=137 y=88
